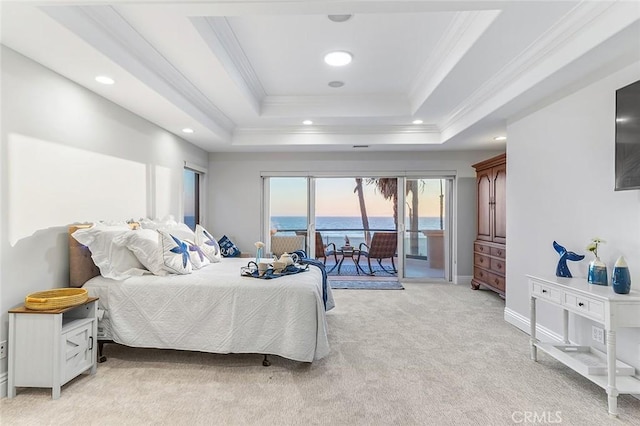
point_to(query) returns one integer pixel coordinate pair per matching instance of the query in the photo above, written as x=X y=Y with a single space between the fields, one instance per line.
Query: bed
x=213 y=309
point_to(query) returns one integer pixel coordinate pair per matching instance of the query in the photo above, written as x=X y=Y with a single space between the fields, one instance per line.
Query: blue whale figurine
x=562 y=270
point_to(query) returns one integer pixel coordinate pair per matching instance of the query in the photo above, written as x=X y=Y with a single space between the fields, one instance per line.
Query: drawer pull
x=580 y=304
x=544 y=291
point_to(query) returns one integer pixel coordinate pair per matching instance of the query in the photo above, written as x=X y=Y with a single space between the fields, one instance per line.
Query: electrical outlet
x=597 y=334
x=3 y=349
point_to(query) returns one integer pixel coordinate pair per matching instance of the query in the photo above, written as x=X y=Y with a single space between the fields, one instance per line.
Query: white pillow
x=208 y=244
x=196 y=255
x=144 y=245
x=113 y=260
x=175 y=254
x=180 y=230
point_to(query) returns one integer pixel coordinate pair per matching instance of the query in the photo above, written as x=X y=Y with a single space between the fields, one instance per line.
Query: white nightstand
x=49 y=348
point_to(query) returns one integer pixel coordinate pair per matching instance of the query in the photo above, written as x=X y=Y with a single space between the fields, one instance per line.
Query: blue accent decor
x=228 y=248
x=562 y=270
x=597 y=272
x=193 y=247
x=621 y=280
x=181 y=249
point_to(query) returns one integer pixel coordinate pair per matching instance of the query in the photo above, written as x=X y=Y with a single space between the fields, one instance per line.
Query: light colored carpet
x=435 y=354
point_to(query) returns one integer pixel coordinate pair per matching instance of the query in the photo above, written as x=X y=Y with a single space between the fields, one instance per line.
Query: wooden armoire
x=489 y=248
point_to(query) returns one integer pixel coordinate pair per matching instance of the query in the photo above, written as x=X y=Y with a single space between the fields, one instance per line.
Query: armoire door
x=484 y=183
x=500 y=203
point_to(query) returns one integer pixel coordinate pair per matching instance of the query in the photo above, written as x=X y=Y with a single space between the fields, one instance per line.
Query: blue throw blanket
x=302 y=256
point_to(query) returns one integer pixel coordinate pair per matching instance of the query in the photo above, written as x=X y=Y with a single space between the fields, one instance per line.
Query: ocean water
x=334 y=229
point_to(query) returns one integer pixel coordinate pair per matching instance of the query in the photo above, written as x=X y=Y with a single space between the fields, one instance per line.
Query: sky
x=336 y=197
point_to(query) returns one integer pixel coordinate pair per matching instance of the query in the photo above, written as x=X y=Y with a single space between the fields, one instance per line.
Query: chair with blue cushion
x=383 y=246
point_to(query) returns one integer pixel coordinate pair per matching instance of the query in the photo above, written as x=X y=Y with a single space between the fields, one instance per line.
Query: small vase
x=621 y=279
x=258 y=255
x=597 y=272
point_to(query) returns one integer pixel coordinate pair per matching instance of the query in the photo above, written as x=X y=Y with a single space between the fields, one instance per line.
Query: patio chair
x=383 y=246
x=286 y=244
x=323 y=251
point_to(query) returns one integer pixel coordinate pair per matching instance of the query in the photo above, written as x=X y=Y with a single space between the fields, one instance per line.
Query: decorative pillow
x=114 y=261
x=144 y=245
x=180 y=230
x=228 y=248
x=196 y=255
x=175 y=254
x=208 y=244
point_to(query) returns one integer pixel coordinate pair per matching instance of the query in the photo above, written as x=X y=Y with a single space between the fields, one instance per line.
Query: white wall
x=69 y=156
x=560 y=187
x=235 y=199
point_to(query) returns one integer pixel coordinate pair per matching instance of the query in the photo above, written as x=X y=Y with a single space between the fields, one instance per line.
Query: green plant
x=593 y=245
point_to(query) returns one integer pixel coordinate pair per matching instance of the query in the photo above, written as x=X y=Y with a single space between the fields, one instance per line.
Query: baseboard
x=463 y=279
x=4 y=377
x=523 y=323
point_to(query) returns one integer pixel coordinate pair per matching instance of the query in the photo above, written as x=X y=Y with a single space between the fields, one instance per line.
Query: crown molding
x=461 y=34
x=336 y=106
x=219 y=36
x=340 y=130
x=106 y=30
x=547 y=54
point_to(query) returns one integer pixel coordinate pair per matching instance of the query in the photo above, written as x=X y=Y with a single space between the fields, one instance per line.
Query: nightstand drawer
x=482 y=261
x=586 y=306
x=545 y=292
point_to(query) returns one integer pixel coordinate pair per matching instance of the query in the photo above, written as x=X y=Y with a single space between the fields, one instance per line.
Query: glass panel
x=191 y=197
x=426 y=225
x=288 y=212
x=349 y=211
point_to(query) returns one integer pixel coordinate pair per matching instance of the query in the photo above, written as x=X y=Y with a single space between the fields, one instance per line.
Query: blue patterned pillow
x=208 y=244
x=228 y=248
x=175 y=254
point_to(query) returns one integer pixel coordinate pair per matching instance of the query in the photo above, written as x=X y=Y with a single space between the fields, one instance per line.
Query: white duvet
x=215 y=309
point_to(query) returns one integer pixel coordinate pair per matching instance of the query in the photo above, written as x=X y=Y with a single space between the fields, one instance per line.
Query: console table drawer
x=545 y=292
x=586 y=306
x=482 y=261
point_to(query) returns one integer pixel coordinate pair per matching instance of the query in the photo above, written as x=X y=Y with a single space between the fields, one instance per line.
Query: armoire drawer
x=481 y=260
x=498 y=252
x=498 y=266
x=482 y=248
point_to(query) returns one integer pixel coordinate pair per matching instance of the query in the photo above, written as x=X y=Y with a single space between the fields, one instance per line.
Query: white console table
x=597 y=303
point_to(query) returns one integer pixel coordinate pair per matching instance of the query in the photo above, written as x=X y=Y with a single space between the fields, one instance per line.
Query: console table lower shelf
x=593 y=370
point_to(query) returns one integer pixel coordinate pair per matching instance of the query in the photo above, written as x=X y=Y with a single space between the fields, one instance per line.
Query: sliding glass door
x=331 y=217
x=427 y=228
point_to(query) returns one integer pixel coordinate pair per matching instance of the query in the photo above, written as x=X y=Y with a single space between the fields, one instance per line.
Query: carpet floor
x=434 y=354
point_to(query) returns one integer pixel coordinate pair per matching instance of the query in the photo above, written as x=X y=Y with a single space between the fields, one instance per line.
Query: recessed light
x=336 y=84
x=187 y=130
x=338 y=58
x=361 y=146
x=417 y=121
x=104 y=79
x=500 y=138
x=621 y=119
x=307 y=122
x=340 y=18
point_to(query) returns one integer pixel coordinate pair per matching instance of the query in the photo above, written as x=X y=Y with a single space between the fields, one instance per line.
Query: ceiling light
x=361 y=146
x=104 y=79
x=336 y=84
x=340 y=18
x=307 y=122
x=187 y=130
x=338 y=58
x=500 y=138
x=418 y=121
x=621 y=119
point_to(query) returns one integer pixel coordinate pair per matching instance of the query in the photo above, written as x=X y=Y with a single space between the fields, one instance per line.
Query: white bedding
x=214 y=309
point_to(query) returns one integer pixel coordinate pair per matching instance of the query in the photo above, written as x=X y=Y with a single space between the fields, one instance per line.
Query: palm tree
x=363 y=210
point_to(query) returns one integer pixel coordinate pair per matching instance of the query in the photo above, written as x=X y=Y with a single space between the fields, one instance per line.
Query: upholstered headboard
x=81 y=266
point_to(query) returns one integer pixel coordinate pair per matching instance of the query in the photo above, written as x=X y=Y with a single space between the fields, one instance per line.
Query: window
x=191 y=196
